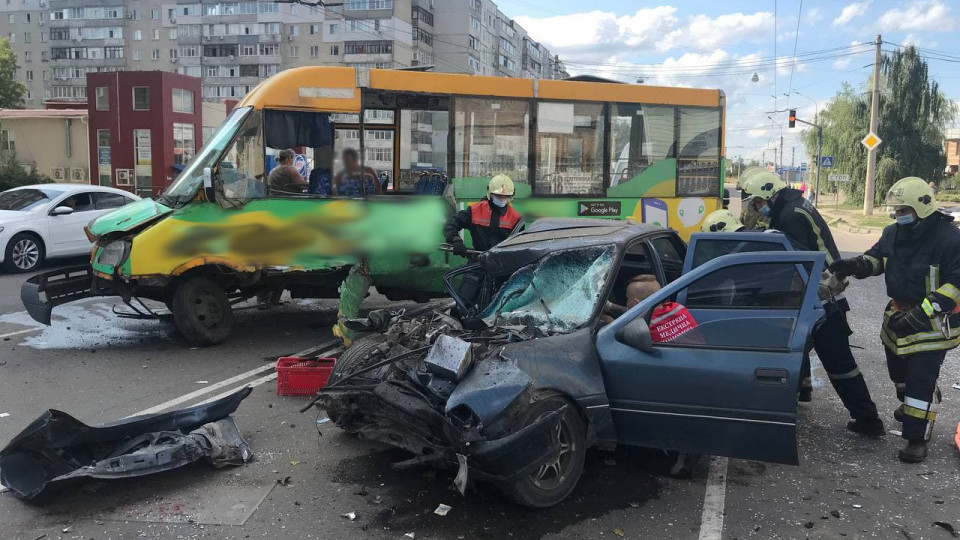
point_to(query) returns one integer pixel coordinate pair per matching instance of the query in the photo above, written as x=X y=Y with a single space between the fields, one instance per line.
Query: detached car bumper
x=43 y=292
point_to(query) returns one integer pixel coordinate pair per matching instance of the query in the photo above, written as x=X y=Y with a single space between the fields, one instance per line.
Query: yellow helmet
x=764 y=185
x=500 y=184
x=915 y=193
x=721 y=221
x=747 y=173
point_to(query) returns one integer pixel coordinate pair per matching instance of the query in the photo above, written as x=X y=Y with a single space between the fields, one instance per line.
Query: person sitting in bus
x=285 y=177
x=353 y=181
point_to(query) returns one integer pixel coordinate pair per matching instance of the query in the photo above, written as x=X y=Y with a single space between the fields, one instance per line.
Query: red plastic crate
x=302 y=376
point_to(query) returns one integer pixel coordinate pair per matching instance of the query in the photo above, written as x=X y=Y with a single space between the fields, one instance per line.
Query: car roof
x=547 y=235
x=65 y=187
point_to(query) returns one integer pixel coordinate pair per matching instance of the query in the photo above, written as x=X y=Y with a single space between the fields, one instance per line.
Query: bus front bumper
x=43 y=292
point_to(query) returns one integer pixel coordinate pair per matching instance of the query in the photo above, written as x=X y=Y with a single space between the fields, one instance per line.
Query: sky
x=805 y=49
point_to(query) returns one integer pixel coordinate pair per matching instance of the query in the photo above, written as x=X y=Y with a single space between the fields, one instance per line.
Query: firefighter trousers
x=831 y=340
x=915 y=377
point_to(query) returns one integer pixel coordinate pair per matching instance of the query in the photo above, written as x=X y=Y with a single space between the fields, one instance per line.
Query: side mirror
x=61 y=211
x=636 y=334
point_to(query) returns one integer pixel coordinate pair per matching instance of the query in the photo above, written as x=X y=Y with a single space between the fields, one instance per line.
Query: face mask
x=500 y=202
x=765 y=211
x=905 y=220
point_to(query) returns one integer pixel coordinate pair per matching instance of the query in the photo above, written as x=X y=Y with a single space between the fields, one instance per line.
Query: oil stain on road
x=404 y=501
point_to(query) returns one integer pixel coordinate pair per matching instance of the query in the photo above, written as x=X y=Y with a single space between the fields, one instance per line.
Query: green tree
x=913 y=116
x=11 y=91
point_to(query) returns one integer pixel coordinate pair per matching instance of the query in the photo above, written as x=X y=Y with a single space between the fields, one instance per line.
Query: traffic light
x=793 y=118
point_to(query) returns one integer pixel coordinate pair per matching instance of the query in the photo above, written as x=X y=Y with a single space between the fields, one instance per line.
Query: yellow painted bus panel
x=629 y=93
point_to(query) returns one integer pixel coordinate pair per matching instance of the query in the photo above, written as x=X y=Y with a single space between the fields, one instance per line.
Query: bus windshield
x=185 y=186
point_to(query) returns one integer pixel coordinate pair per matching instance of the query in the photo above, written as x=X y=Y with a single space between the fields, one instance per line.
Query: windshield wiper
x=496 y=316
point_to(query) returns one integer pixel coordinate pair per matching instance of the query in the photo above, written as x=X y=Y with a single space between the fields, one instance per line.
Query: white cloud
x=602 y=36
x=812 y=17
x=922 y=15
x=851 y=12
x=844 y=61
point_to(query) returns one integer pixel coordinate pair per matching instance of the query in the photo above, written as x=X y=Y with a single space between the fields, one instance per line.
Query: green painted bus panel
x=658 y=180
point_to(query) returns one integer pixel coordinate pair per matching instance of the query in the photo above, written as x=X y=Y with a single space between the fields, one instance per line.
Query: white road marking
x=711 y=522
x=326 y=347
x=251 y=384
x=204 y=390
x=18 y=332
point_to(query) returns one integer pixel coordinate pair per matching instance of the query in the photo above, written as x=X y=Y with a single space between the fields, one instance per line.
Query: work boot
x=898 y=414
x=806 y=395
x=914 y=452
x=872 y=427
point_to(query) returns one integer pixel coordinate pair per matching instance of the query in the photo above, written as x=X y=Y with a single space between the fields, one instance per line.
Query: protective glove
x=906 y=323
x=459 y=248
x=857 y=267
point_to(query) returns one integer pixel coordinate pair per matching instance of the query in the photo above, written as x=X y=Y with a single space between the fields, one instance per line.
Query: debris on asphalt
x=857 y=506
x=956 y=386
x=947 y=527
x=203 y=382
x=460 y=481
x=896 y=432
x=57 y=446
x=442 y=510
x=4 y=414
x=410 y=535
x=835 y=513
x=44 y=535
x=618 y=531
x=808 y=524
x=634 y=505
x=352 y=516
x=285 y=481
x=323 y=420
x=68 y=529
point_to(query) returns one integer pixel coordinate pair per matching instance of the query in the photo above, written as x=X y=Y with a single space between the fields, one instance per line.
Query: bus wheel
x=202 y=312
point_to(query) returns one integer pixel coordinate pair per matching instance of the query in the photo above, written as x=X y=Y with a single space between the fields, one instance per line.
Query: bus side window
x=423 y=152
x=640 y=136
x=569 y=149
x=698 y=170
x=491 y=137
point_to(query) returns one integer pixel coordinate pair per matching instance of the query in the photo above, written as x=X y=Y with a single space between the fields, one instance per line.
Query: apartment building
x=476 y=34
x=232 y=45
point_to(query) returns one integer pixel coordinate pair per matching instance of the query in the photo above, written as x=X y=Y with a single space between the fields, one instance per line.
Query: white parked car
x=46 y=220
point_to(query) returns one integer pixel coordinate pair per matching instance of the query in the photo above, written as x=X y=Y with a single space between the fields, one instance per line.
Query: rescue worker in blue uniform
x=919 y=257
x=795 y=217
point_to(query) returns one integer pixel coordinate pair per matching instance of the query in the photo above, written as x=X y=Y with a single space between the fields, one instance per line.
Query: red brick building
x=144 y=125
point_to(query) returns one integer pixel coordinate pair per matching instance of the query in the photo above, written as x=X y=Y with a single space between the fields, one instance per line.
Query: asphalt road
x=100 y=368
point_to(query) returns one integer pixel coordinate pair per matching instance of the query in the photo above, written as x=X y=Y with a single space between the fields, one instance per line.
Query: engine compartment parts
x=57 y=447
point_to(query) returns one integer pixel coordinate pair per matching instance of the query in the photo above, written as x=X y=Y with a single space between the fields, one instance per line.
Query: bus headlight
x=113 y=253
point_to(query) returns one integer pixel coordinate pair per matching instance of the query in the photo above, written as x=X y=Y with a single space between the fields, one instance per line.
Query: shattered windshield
x=556 y=293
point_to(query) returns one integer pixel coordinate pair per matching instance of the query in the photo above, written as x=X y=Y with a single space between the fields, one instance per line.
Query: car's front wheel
x=554 y=480
x=202 y=312
x=24 y=253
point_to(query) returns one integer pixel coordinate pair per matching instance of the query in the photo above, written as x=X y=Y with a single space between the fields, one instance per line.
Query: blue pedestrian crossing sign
x=826 y=161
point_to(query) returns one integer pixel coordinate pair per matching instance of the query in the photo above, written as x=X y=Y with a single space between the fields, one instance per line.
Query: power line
x=793 y=65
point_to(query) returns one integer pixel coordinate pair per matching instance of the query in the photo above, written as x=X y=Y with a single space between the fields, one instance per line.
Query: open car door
x=727 y=387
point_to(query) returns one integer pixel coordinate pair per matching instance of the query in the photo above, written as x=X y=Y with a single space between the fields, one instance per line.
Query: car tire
x=553 y=482
x=24 y=253
x=356 y=357
x=202 y=312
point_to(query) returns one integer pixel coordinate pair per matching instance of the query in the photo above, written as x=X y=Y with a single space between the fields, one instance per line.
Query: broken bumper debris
x=57 y=447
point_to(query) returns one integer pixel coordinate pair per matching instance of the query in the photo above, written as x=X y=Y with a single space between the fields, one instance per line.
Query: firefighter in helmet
x=489 y=221
x=919 y=256
x=721 y=221
x=795 y=217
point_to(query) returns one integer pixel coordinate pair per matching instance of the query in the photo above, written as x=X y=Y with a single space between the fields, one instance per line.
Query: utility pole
x=869 y=188
x=781 y=149
x=793 y=157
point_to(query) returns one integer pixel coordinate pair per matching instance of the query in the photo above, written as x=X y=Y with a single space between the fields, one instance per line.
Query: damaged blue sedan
x=529 y=373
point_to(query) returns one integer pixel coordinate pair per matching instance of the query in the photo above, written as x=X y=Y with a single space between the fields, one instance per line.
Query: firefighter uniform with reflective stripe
x=488 y=224
x=794 y=216
x=921 y=268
